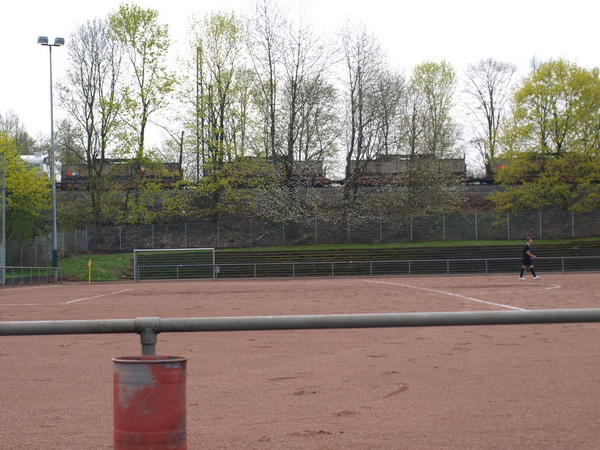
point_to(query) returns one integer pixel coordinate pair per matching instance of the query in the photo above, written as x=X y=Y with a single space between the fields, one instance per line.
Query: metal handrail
x=149 y=327
x=23 y=273
x=485 y=262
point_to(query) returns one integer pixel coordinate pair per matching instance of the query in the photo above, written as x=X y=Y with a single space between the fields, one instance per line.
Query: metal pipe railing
x=328 y=268
x=149 y=327
x=29 y=275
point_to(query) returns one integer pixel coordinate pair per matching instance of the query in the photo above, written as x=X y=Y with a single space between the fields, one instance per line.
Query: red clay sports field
x=504 y=387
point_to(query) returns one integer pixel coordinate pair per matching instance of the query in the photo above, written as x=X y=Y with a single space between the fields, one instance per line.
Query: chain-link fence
x=314 y=230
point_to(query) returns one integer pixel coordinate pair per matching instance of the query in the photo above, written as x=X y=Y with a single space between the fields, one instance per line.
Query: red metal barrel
x=150 y=402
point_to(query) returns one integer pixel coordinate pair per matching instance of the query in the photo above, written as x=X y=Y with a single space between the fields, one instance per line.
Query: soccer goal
x=174 y=264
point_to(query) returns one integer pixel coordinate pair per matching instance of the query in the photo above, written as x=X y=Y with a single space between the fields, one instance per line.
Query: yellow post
x=90 y=270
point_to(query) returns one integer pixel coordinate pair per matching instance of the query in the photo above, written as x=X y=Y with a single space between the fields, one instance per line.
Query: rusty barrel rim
x=149 y=359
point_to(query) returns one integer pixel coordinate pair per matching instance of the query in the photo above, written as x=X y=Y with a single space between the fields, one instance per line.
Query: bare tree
x=367 y=104
x=410 y=123
x=488 y=89
x=294 y=95
x=319 y=123
x=89 y=95
x=305 y=94
x=389 y=97
x=265 y=34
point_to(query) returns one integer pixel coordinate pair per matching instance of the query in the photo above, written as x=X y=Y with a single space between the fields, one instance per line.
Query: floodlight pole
x=43 y=40
x=3 y=244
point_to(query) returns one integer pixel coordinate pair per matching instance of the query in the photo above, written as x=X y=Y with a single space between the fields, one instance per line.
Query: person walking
x=528 y=258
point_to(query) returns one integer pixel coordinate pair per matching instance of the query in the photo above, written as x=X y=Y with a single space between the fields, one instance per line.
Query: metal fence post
x=443 y=226
x=348 y=228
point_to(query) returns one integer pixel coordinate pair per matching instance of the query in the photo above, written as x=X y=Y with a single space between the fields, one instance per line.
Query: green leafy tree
x=27 y=194
x=146 y=43
x=234 y=184
x=435 y=85
x=218 y=40
x=426 y=181
x=552 y=144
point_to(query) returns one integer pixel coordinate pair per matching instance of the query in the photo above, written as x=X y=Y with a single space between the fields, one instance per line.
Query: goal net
x=174 y=264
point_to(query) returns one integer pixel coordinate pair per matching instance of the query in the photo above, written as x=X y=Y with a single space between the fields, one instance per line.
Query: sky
x=460 y=32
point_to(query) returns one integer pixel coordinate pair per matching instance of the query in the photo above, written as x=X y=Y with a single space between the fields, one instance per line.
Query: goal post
x=174 y=264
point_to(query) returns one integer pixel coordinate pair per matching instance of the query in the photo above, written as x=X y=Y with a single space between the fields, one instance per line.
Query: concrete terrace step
x=382 y=254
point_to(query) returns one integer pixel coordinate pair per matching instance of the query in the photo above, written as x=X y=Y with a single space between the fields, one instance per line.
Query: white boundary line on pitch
x=447 y=293
x=23 y=288
x=551 y=286
x=96 y=296
x=65 y=303
x=23 y=304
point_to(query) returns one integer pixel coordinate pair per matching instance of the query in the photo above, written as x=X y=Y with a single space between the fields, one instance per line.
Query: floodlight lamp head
x=59 y=41
x=43 y=40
